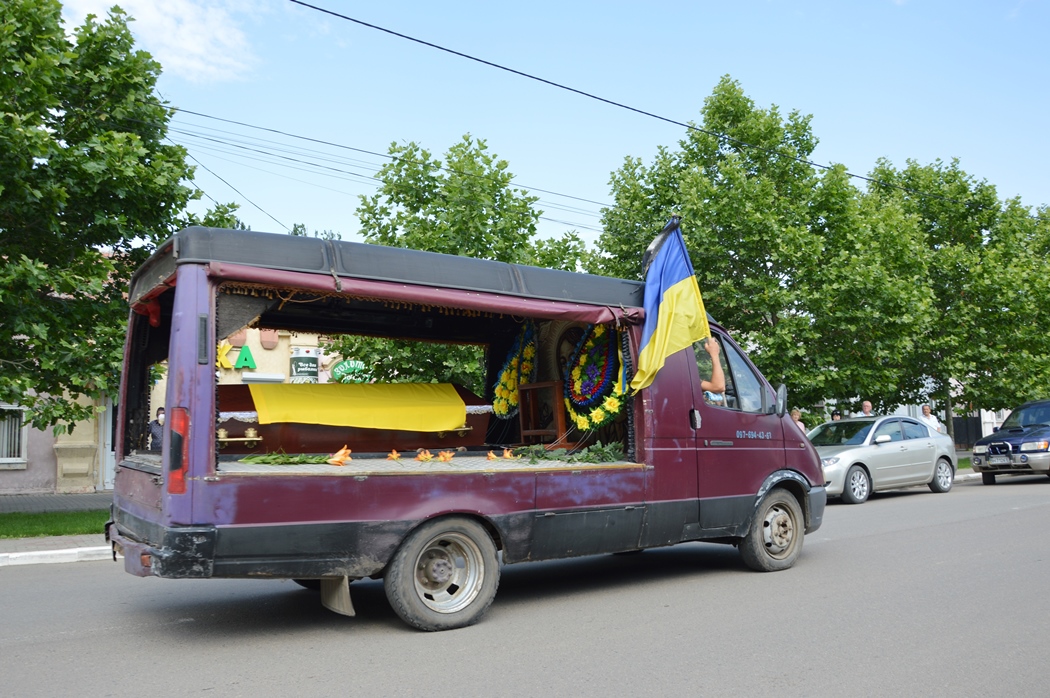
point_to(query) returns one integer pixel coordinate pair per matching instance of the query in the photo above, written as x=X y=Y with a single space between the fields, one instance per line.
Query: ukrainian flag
x=674 y=311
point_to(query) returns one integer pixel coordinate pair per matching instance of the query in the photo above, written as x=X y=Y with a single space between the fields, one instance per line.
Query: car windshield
x=1027 y=416
x=838 y=433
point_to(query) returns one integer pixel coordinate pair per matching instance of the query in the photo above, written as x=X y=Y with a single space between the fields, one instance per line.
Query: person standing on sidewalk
x=156 y=430
x=930 y=419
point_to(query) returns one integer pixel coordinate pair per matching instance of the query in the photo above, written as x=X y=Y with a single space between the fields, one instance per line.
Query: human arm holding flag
x=717 y=384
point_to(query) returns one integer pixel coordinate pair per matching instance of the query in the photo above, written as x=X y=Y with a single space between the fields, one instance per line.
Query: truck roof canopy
x=336 y=259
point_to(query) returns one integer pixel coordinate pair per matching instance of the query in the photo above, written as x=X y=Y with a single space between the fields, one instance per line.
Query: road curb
x=102 y=552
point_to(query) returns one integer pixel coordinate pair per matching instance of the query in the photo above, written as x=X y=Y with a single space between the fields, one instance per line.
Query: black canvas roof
x=198 y=245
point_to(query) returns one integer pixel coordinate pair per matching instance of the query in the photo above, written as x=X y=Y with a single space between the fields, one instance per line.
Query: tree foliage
x=463 y=205
x=988 y=281
x=86 y=185
x=813 y=283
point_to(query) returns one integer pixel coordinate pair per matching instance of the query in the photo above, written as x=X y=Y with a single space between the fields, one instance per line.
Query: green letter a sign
x=245 y=358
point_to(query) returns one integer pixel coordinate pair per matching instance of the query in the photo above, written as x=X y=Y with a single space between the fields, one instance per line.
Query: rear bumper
x=184 y=553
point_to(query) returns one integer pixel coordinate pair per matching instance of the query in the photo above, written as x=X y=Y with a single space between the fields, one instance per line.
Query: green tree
x=221 y=216
x=299 y=230
x=786 y=256
x=87 y=186
x=463 y=205
x=868 y=298
x=988 y=276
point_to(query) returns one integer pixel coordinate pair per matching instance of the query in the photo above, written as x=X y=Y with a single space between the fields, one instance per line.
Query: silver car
x=870 y=454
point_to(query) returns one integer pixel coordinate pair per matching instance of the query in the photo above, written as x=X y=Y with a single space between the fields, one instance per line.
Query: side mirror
x=782 y=400
x=883 y=439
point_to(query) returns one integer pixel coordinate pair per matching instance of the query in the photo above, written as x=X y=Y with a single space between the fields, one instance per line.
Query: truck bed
x=363 y=467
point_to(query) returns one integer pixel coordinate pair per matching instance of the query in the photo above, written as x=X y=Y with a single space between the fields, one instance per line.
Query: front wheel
x=858 y=485
x=775 y=539
x=988 y=478
x=444 y=575
x=943 y=476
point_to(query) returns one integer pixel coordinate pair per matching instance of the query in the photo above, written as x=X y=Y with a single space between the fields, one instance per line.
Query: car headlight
x=1035 y=445
x=980 y=450
x=826 y=462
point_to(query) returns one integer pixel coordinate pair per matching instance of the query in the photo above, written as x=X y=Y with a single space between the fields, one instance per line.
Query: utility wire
x=371 y=152
x=691 y=127
x=238 y=191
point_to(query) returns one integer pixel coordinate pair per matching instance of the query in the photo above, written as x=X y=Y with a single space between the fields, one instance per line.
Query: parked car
x=870 y=454
x=1018 y=447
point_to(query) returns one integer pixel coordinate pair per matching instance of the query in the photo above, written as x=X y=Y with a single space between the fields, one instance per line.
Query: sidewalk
x=31 y=551
x=54 y=502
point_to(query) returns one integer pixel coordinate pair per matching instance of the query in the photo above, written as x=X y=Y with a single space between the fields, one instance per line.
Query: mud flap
x=335 y=595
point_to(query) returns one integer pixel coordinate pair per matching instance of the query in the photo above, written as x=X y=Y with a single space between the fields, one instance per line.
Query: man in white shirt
x=930 y=420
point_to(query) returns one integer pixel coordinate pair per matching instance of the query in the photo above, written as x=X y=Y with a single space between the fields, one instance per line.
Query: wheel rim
x=858 y=484
x=449 y=573
x=944 y=475
x=779 y=529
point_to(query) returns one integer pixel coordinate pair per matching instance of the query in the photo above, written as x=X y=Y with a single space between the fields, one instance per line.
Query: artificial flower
x=590 y=379
x=517 y=369
x=341 y=456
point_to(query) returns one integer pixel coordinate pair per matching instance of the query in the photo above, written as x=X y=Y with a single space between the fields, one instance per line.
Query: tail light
x=178 y=450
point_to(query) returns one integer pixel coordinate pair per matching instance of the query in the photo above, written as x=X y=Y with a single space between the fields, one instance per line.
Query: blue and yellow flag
x=674 y=311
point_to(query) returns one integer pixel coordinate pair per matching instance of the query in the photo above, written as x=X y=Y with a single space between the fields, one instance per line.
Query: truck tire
x=775 y=539
x=858 y=485
x=444 y=575
x=943 y=476
x=988 y=478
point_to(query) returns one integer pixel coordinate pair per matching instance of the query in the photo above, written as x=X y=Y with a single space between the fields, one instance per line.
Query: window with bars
x=14 y=434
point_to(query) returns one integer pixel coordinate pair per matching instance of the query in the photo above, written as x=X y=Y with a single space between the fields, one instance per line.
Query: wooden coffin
x=235 y=410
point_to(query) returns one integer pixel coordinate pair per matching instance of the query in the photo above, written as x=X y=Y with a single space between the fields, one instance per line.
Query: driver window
x=913 y=430
x=743 y=388
x=748 y=386
x=891 y=427
x=704 y=367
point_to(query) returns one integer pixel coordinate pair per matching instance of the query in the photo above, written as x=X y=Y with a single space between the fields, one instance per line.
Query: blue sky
x=881 y=78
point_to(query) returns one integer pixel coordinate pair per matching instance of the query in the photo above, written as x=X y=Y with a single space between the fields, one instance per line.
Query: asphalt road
x=909 y=594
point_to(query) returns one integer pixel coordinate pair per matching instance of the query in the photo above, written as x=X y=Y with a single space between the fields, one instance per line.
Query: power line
x=238 y=192
x=371 y=152
x=233 y=144
x=691 y=127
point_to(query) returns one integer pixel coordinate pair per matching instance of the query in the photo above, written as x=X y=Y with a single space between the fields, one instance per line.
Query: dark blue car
x=1019 y=447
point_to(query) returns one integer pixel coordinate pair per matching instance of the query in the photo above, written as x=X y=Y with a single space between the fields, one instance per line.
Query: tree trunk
x=949 y=413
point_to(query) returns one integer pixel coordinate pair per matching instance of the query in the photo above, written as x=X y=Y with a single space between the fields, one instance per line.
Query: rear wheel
x=858 y=485
x=775 y=539
x=444 y=575
x=988 y=478
x=943 y=476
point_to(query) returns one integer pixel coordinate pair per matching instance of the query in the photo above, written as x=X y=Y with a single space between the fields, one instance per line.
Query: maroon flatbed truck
x=733 y=471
